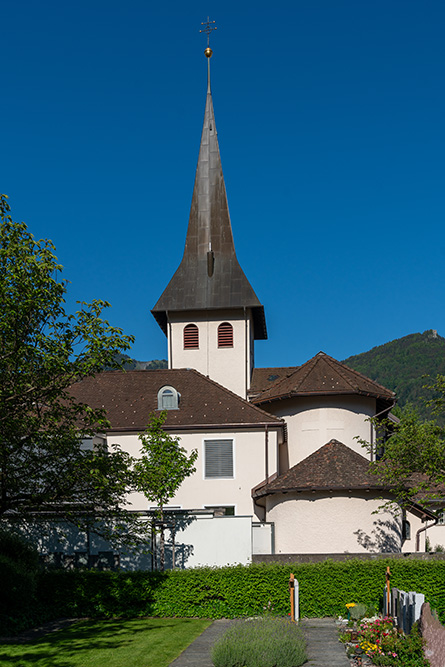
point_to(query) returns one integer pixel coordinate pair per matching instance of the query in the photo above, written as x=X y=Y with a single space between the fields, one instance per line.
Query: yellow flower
x=350 y=604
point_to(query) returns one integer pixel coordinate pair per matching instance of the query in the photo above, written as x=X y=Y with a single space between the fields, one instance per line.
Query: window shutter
x=218 y=458
x=168 y=400
x=191 y=337
x=225 y=335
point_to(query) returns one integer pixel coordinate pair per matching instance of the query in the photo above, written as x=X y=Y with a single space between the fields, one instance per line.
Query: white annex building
x=279 y=470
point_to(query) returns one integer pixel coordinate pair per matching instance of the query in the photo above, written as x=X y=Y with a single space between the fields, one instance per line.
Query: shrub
x=18 y=549
x=19 y=568
x=262 y=642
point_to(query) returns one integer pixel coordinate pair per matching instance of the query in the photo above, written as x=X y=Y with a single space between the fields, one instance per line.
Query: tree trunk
x=162 y=543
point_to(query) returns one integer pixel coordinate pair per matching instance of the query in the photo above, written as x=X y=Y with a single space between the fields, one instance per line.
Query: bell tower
x=209 y=311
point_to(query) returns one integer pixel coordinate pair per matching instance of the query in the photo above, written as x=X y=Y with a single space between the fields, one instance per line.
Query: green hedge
x=19 y=572
x=238 y=591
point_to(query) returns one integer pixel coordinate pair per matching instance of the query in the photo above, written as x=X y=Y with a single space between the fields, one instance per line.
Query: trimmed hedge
x=239 y=591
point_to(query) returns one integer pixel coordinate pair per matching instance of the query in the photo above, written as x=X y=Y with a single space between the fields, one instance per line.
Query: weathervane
x=208 y=29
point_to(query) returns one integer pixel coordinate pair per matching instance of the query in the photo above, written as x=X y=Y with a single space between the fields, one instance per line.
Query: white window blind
x=218 y=458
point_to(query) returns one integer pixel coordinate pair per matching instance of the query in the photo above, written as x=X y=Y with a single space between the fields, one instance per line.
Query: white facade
x=229 y=366
x=313 y=421
x=337 y=522
x=199 y=491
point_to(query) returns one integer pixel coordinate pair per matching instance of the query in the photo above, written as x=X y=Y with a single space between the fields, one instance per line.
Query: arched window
x=191 y=337
x=225 y=335
x=168 y=398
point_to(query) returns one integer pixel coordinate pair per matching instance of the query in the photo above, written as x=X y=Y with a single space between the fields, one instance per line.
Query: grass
x=261 y=642
x=142 y=642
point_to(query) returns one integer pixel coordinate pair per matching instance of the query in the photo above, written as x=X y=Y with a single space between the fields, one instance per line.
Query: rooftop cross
x=209 y=27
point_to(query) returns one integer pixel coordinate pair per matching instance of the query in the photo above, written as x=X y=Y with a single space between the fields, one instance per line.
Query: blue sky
x=330 y=118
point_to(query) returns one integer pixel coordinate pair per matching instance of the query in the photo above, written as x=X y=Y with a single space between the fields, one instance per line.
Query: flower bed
x=377 y=641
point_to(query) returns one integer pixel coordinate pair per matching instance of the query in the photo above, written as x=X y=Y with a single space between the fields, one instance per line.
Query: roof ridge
x=273 y=418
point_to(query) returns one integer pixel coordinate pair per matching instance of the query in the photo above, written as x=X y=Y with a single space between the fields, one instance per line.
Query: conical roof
x=323 y=375
x=209 y=276
x=333 y=467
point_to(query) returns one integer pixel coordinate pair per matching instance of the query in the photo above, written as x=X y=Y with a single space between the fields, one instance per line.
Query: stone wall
x=434 y=634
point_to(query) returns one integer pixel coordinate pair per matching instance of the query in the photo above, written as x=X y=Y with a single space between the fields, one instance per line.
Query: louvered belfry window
x=191 y=337
x=218 y=459
x=225 y=335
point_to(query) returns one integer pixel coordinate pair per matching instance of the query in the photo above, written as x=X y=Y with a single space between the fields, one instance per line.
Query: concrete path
x=198 y=653
x=323 y=647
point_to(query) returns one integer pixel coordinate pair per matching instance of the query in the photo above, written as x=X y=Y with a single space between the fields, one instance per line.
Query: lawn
x=142 y=642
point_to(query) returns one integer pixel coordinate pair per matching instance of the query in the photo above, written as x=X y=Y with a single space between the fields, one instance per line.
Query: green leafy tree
x=161 y=468
x=413 y=452
x=43 y=351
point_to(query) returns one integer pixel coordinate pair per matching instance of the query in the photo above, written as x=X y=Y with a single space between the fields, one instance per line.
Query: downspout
x=246 y=360
x=266 y=452
x=421 y=530
x=170 y=348
x=372 y=425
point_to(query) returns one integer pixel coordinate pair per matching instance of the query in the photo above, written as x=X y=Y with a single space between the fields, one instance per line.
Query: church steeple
x=209 y=276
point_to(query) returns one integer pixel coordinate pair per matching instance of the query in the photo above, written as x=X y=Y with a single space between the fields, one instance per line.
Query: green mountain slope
x=401 y=365
x=133 y=365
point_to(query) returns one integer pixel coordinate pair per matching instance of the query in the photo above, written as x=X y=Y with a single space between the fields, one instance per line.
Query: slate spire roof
x=209 y=276
x=321 y=376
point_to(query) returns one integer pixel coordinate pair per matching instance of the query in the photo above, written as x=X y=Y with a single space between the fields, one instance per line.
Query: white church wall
x=436 y=536
x=314 y=421
x=231 y=366
x=321 y=523
x=199 y=492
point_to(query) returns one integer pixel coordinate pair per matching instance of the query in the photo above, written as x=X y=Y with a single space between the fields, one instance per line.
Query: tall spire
x=209 y=276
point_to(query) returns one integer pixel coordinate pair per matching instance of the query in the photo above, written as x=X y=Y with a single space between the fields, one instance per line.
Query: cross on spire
x=209 y=27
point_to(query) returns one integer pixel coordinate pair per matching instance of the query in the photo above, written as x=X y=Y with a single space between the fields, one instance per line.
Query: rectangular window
x=218 y=457
x=441 y=521
x=222 y=510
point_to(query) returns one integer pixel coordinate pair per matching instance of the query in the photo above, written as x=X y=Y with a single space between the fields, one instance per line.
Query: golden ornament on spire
x=208 y=52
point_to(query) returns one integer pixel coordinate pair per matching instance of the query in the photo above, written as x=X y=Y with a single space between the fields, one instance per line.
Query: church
x=280 y=469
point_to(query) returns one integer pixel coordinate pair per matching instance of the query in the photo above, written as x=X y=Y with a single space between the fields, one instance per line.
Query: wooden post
x=292 y=597
x=388 y=591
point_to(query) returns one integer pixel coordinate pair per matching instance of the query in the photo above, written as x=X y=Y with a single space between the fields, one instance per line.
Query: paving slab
x=323 y=647
x=198 y=653
x=321 y=634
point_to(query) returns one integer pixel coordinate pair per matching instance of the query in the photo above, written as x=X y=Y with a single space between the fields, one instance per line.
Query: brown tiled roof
x=333 y=467
x=130 y=396
x=323 y=375
x=264 y=378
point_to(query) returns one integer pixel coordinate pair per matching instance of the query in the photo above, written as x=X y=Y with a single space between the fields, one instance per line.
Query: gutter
x=421 y=530
x=260 y=401
x=197 y=427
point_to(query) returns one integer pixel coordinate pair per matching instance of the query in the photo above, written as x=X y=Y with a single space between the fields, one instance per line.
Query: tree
x=413 y=459
x=43 y=351
x=162 y=468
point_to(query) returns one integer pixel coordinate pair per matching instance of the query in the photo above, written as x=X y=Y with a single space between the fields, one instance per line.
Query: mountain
x=402 y=364
x=133 y=365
